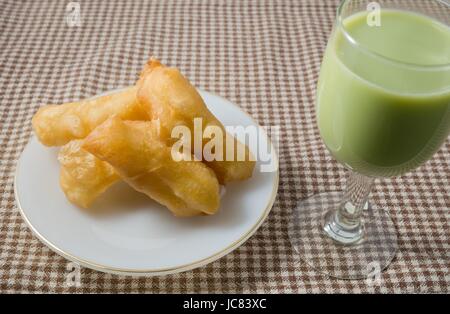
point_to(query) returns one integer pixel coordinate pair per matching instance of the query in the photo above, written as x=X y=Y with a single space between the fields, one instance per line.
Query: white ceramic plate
x=125 y=232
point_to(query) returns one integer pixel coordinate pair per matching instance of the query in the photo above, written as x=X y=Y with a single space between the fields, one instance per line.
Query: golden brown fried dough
x=166 y=95
x=56 y=125
x=83 y=176
x=144 y=161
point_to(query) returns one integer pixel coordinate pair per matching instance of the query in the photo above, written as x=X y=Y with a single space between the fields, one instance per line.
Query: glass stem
x=344 y=223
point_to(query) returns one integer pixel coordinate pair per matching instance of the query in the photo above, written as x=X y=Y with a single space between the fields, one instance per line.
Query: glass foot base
x=339 y=254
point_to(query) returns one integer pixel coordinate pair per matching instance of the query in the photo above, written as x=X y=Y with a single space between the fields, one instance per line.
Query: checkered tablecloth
x=262 y=55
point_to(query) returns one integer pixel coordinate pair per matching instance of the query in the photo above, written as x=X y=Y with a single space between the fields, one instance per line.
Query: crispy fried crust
x=83 y=176
x=56 y=125
x=144 y=161
x=166 y=95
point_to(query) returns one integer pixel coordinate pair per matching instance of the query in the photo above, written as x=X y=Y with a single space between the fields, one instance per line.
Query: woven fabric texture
x=262 y=55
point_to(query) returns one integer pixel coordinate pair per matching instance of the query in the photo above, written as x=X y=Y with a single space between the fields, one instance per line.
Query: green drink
x=384 y=109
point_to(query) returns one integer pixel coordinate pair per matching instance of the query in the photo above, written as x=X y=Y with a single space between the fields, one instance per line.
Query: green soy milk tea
x=383 y=99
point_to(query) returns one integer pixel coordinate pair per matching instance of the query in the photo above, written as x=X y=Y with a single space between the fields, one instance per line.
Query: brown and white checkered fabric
x=262 y=55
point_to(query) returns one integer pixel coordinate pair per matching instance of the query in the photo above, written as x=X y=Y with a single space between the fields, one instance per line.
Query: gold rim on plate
x=159 y=271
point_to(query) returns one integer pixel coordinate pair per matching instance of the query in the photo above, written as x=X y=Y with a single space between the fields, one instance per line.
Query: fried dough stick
x=83 y=176
x=145 y=162
x=56 y=125
x=166 y=95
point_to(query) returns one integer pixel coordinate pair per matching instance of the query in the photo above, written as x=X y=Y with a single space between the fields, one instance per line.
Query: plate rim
x=157 y=271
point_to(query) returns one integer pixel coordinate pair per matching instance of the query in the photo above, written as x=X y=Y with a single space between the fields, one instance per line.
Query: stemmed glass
x=383 y=109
